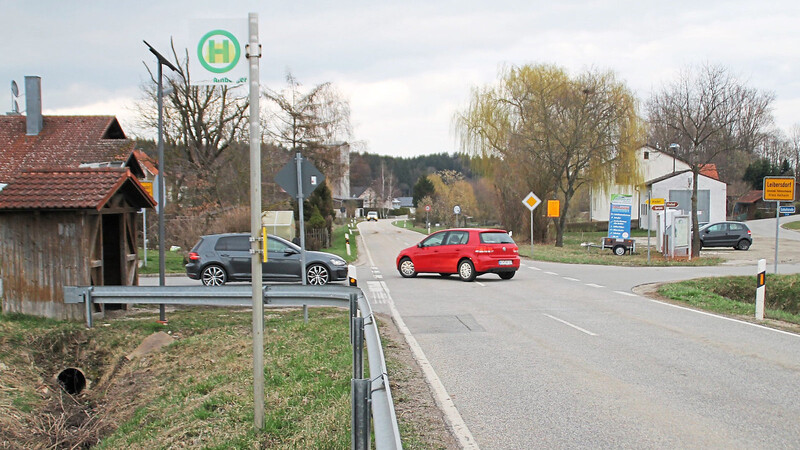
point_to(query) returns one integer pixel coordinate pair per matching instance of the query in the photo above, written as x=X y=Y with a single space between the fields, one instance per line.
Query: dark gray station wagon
x=219 y=258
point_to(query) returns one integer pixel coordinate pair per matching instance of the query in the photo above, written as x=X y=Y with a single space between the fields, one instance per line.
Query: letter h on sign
x=215 y=50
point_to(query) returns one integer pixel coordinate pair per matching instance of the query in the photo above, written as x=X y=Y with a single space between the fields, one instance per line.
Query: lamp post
x=161 y=265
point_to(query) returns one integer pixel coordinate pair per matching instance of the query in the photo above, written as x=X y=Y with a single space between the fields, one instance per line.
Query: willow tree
x=555 y=132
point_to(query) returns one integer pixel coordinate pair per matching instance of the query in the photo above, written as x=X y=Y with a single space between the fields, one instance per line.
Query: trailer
x=619 y=246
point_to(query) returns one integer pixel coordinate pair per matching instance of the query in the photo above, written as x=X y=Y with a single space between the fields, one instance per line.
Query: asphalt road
x=566 y=356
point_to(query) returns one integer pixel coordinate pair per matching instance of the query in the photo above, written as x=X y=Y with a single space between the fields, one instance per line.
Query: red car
x=469 y=252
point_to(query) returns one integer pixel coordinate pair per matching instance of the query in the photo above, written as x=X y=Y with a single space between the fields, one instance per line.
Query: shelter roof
x=65 y=141
x=78 y=188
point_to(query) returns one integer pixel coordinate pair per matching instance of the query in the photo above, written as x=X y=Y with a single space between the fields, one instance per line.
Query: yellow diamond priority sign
x=531 y=201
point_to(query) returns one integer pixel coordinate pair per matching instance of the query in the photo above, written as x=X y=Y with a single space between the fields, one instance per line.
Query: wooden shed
x=69 y=196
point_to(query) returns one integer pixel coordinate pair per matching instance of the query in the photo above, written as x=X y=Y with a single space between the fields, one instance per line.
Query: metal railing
x=372 y=391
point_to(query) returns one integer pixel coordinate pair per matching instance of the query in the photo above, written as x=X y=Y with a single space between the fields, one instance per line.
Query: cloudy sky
x=405 y=66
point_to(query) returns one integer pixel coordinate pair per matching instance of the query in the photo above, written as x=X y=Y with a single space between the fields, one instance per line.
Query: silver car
x=219 y=258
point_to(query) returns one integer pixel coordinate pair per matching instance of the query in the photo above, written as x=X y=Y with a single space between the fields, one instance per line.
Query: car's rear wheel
x=406 y=268
x=507 y=275
x=743 y=244
x=466 y=270
x=317 y=275
x=214 y=276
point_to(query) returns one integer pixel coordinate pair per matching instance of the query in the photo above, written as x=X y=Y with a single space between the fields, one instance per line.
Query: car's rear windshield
x=496 y=237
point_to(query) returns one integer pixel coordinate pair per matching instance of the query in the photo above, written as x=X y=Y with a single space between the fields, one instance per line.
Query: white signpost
x=531 y=201
x=227 y=52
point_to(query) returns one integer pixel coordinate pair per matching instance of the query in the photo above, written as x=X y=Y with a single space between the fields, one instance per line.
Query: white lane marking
x=725 y=318
x=626 y=293
x=594 y=285
x=376 y=292
x=534 y=268
x=571 y=325
x=443 y=399
x=551 y=273
x=478 y=282
x=570 y=279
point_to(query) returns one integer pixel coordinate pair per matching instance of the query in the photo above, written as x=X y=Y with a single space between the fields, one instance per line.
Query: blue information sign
x=787 y=209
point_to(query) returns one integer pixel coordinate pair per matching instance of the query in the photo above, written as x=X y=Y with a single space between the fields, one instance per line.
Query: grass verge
x=736 y=295
x=195 y=392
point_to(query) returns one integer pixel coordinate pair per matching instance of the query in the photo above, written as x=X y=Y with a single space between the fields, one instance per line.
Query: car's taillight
x=193 y=256
x=484 y=249
x=515 y=250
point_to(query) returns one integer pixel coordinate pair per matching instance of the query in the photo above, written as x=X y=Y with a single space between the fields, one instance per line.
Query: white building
x=677 y=187
x=669 y=178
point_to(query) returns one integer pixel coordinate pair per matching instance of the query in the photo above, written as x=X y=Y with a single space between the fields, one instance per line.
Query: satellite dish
x=14 y=106
x=14 y=88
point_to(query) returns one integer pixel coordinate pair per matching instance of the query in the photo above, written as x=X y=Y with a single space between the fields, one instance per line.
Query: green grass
x=173 y=261
x=338 y=244
x=792 y=225
x=196 y=392
x=736 y=295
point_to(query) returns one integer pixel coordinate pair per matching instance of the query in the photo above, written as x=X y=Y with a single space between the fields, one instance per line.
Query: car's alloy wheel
x=466 y=271
x=407 y=269
x=744 y=244
x=214 y=276
x=317 y=275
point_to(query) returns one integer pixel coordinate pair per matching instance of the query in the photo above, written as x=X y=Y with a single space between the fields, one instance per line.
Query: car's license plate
x=504 y=262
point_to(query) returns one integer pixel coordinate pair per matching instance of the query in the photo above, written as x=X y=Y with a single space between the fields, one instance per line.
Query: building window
x=646 y=155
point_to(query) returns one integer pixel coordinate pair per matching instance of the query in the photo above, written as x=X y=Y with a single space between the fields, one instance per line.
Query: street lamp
x=161 y=233
x=674 y=148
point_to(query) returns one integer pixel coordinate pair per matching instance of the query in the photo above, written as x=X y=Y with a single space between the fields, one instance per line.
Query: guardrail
x=363 y=327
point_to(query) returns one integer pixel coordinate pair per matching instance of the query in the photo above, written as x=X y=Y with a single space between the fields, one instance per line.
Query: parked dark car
x=469 y=252
x=726 y=234
x=219 y=258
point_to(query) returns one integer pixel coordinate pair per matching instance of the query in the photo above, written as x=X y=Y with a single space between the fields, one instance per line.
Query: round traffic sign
x=456 y=209
x=427 y=208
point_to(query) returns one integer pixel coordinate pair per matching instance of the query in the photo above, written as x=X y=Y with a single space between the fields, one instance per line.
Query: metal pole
x=531 y=233
x=299 y=159
x=777 y=230
x=162 y=315
x=144 y=230
x=361 y=393
x=358 y=347
x=253 y=55
x=649 y=212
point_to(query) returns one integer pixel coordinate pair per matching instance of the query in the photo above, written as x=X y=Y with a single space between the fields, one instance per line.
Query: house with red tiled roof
x=70 y=192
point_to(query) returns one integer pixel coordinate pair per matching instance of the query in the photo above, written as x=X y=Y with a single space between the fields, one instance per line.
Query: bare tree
x=201 y=125
x=709 y=114
x=315 y=123
x=559 y=132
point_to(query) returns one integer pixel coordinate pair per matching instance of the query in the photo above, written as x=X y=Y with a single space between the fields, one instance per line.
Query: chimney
x=33 y=104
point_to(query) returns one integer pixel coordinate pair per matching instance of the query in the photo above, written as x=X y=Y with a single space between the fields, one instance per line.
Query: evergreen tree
x=423 y=188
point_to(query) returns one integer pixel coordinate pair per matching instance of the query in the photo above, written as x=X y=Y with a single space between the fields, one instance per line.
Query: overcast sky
x=405 y=67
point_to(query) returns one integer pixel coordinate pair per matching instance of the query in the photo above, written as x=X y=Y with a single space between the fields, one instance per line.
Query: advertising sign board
x=619 y=219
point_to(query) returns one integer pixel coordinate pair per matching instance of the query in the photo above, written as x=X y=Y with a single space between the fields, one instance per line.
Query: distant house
x=752 y=206
x=69 y=197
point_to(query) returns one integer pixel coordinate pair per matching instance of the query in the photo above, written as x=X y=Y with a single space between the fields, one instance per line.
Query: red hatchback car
x=469 y=252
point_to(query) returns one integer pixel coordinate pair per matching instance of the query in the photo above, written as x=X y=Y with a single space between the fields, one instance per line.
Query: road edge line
x=443 y=400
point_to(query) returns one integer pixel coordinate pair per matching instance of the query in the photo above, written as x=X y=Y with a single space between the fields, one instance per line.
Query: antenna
x=14 y=98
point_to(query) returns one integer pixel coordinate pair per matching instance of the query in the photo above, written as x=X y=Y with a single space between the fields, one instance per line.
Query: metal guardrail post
x=89 y=307
x=361 y=391
x=358 y=347
x=353 y=313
